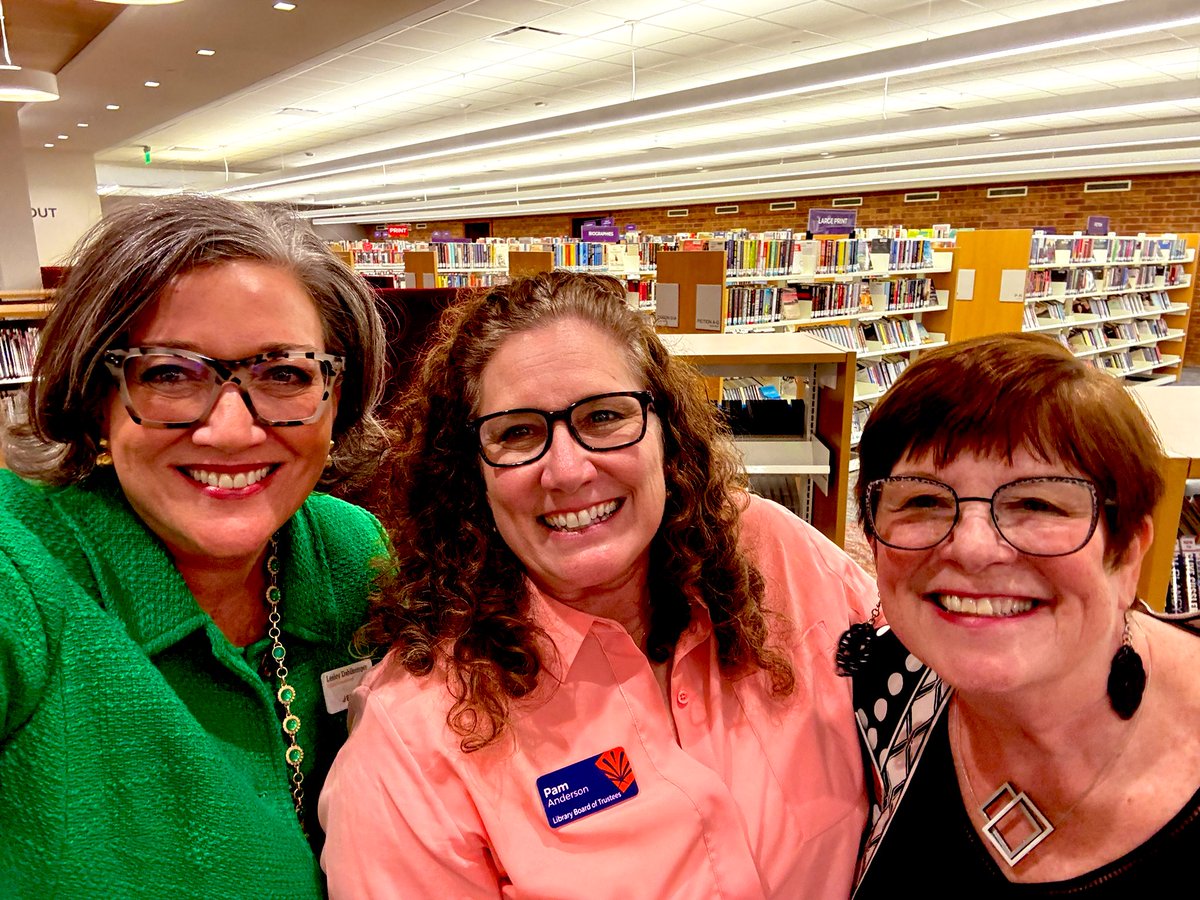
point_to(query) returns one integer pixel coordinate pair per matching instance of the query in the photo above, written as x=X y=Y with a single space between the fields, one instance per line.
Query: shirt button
x=682 y=698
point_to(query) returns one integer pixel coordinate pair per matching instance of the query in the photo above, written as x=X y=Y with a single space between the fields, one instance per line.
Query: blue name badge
x=587 y=786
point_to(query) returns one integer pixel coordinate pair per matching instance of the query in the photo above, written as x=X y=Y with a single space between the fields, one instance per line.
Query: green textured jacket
x=140 y=752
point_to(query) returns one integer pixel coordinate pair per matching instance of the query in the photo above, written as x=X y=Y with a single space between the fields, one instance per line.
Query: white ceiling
x=395 y=111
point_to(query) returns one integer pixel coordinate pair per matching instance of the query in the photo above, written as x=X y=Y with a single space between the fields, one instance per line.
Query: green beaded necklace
x=293 y=755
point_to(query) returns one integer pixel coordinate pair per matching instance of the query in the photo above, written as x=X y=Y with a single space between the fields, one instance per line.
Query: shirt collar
x=138 y=582
x=567 y=627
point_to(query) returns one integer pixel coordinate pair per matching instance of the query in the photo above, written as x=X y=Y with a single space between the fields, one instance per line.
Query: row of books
x=470 y=279
x=883 y=372
x=470 y=256
x=1052 y=249
x=1048 y=312
x=903 y=294
x=18 y=349
x=768 y=255
x=1183 y=592
x=879 y=334
x=828 y=301
x=753 y=305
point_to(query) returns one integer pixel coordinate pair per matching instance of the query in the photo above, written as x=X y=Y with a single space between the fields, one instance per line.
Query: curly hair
x=459 y=597
x=125 y=263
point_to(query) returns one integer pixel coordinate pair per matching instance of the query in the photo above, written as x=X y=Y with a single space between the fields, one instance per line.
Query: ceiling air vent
x=676 y=213
x=725 y=210
x=783 y=206
x=420 y=226
x=1100 y=187
x=922 y=196
x=846 y=201
x=996 y=193
x=527 y=36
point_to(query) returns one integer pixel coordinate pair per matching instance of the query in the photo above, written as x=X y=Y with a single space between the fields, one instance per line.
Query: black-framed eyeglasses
x=517 y=437
x=166 y=387
x=1047 y=516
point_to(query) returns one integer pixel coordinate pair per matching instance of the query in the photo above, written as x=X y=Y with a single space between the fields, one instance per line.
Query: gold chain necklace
x=293 y=754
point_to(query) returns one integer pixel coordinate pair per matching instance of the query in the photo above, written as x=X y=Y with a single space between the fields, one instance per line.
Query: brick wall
x=1155 y=203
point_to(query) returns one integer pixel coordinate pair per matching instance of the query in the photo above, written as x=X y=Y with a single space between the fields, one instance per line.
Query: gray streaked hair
x=124 y=264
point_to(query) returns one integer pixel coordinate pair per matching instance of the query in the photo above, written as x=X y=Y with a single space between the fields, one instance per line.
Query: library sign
x=600 y=233
x=832 y=221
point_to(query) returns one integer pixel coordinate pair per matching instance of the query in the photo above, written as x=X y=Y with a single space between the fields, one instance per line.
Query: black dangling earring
x=1126 y=677
x=854 y=646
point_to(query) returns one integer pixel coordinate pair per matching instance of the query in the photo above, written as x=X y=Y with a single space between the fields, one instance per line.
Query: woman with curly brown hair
x=611 y=668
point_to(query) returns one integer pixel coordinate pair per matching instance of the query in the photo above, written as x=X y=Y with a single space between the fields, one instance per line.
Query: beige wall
x=62 y=200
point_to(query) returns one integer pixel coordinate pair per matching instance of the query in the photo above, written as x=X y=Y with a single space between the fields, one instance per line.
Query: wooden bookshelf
x=529 y=262
x=691 y=272
x=980 y=260
x=420 y=269
x=1173 y=411
x=821 y=459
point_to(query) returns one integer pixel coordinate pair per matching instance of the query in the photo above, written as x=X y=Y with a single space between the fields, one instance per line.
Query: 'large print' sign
x=832 y=221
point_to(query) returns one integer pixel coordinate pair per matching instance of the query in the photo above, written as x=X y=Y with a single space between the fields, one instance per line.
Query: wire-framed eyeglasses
x=1047 y=516
x=166 y=387
x=518 y=437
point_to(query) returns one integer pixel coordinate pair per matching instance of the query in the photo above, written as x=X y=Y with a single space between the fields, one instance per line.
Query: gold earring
x=104 y=458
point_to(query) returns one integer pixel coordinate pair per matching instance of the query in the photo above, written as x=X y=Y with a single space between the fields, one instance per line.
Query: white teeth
x=993 y=607
x=226 y=481
x=582 y=518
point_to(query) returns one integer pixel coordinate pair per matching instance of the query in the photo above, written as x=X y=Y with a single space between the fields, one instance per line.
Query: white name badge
x=338 y=684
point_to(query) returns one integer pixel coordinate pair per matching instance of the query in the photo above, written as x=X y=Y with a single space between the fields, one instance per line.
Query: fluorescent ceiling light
x=284 y=7
x=152 y=84
x=1093 y=25
x=204 y=51
x=113 y=106
x=141 y=2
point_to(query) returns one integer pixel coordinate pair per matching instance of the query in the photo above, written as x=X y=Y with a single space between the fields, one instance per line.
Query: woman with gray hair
x=178 y=604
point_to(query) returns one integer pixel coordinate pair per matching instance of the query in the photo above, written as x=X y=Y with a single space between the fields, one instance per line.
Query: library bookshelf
x=814 y=466
x=1122 y=303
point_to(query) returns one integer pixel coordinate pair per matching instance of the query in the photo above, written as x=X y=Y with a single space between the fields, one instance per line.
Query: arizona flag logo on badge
x=586 y=787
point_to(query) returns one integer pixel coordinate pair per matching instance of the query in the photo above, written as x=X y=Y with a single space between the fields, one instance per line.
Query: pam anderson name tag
x=587 y=787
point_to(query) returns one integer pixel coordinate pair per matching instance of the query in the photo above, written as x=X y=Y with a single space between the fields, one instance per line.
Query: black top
x=932 y=850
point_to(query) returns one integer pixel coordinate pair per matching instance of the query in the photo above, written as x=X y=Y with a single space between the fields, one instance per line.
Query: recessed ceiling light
x=113 y=106
x=47 y=146
x=284 y=6
x=64 y=137
x=204 y=51
x=823 y=153
x=994 y=134
x=151 y=84
x=81 y=124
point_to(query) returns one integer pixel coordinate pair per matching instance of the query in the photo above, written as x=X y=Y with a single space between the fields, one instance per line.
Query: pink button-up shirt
x=760 y=797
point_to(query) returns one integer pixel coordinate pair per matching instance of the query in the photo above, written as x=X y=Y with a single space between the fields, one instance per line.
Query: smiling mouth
x=987 y=607
x=577 y=521
x=227 y=481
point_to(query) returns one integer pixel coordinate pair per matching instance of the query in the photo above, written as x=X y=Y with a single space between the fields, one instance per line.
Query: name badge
x=586 y=787
x=338 y=684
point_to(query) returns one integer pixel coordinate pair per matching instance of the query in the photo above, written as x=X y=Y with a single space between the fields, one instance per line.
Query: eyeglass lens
x=1041 y=517
x=597 y=423
x=171 y=389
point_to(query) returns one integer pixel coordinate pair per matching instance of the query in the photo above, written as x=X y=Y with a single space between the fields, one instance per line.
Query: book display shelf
x=1170 y=579
x=807 y=470
x=1120 y=302
x=21 y=314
